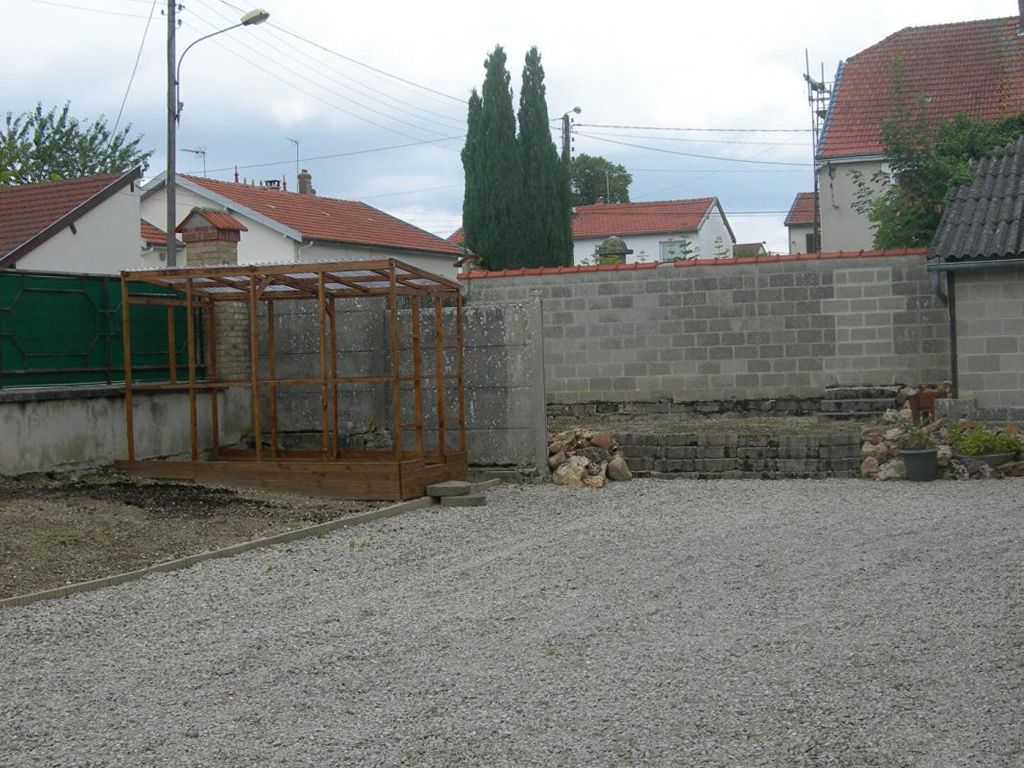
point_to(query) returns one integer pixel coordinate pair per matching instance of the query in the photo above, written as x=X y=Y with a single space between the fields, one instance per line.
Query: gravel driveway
x=684 y=623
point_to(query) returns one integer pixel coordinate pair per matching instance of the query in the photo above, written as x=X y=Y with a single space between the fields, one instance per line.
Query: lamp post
x=257 y=16
x=566 y=125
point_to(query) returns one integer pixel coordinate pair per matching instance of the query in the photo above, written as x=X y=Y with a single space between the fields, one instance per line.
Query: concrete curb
x=234 y=549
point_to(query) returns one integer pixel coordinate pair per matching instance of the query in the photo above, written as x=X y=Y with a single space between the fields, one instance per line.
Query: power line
x=706 y=130
x=355 y=61
x=691 y=154
x=317 y=97
x=349 y=82
x=289 y=161
x=84 y=8
x=698 y=141
x=414 y=191
x=135 y=69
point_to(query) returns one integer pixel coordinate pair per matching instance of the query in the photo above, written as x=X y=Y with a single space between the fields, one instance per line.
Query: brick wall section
x=743 y=456
x=740 y=329
x=990 y=337
x=209 y=247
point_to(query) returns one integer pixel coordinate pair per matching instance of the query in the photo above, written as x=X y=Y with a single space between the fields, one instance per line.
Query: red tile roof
x=640 y=218
x=217 y=219
x=26 y=211
x=801 y=213
x=328 y=219
x=973 y=67
x=479 y=274
x=458 y=237
x=153 y=235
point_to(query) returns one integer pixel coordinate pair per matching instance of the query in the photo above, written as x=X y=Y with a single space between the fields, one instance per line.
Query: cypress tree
x=545 y=227
x=499 y=180
x=472 y=199
x=516 y=210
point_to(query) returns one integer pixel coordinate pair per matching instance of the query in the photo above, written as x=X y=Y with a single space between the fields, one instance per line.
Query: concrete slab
x=472 y=500
x=449 y=488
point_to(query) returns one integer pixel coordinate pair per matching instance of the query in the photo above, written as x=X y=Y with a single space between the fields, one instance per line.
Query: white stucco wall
x=260 y=245
x=798 y=238
x=106 y=240
x=321 y=252
x=842 y=228
x=647 y=247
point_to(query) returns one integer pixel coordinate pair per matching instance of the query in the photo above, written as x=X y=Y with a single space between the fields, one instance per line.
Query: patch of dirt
x=719 y=424
x=57 y=530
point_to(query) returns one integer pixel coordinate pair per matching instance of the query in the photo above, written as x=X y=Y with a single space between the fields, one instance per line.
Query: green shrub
x=978 y=439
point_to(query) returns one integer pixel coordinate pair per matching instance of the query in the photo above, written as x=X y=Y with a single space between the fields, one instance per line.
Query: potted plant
x=919 y=454
x=979 y=442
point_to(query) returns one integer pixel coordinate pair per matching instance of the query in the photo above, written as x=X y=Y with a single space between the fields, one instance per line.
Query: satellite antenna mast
x=296 y=143
x=201 y=151
x=819 y=94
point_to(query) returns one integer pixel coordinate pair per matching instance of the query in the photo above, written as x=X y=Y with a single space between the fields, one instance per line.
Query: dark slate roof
x=985 y=219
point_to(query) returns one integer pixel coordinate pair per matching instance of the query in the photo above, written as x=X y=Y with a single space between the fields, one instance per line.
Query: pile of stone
x=880 y=452
x=580 y=458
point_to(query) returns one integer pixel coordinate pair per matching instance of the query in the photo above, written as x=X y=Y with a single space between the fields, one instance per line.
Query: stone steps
x=857 y=403
x=460 y=493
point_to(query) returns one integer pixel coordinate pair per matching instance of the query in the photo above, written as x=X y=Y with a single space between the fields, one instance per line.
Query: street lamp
x=257 y=16
x=565 y=133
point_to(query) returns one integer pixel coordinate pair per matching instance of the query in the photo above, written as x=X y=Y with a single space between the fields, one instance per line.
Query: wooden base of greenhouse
x=367 y=479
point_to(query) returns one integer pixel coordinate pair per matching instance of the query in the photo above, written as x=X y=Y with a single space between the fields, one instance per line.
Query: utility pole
x=566 y=131
x=172 y=116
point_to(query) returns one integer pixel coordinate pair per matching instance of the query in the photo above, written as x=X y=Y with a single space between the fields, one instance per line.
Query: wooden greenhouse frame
x=402 y=472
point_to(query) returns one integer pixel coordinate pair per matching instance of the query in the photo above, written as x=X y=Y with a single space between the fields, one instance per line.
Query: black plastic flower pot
x=922 y=464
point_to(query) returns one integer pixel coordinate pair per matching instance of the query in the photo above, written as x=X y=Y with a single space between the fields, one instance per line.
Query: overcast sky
x=354 y=82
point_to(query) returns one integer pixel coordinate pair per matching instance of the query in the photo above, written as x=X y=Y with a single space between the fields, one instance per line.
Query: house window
x=811 y=245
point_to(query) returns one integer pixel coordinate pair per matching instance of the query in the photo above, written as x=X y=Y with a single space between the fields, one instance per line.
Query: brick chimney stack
x=306 y=178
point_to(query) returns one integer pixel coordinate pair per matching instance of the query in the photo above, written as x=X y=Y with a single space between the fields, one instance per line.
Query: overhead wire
x=85 y=8
x=364 y=65
x=705 y=130
x=135 y=69
x=345 y=81
x=319 y=98
x=291 y=160
x=692 y=154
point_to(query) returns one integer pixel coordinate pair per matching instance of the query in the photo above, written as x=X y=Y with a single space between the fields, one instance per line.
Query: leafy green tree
x=592 y=177
x=46 y=146
x=925 y=162
x=546 y=221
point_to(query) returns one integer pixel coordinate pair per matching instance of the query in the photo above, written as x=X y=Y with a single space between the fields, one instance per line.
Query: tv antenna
x=198 y=151
x=296 y=143
x=819 y=96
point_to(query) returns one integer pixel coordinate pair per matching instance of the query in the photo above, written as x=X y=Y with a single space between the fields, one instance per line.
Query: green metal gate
x=59 y=328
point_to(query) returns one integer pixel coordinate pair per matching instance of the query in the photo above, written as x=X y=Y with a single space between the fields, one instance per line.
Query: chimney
x=306 y=179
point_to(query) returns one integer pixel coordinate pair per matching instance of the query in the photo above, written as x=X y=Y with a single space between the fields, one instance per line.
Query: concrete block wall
x=782 y=328
x=990 y=338
x=741 y=456
x=503 y=364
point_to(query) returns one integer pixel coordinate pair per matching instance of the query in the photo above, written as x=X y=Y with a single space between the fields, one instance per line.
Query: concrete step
x=861 y=393
x=449 y=488
x=470 y=500
x=850 y=416
x=875 y=405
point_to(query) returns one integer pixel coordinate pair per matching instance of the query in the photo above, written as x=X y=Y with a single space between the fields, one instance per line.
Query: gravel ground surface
x=703 y=623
